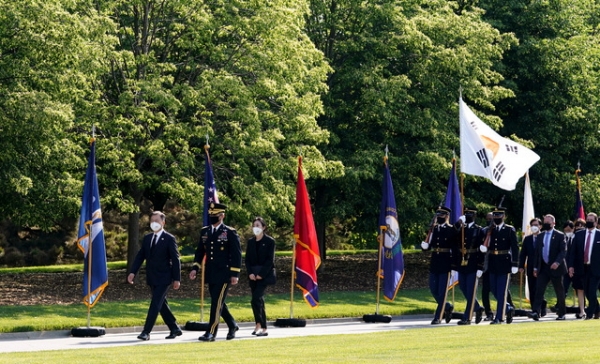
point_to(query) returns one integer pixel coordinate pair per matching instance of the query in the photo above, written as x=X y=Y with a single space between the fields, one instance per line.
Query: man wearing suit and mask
x=503 y=259
x=550 y=265
x=526 y=257
x=585 y=261
x=220 y=244
x=163 y=267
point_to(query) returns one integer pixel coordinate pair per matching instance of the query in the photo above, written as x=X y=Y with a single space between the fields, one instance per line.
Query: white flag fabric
x=485 y=153
x=528 y=214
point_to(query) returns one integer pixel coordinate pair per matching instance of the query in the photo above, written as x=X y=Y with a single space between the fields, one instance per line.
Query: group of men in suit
x=492 y=253
x=219 y=247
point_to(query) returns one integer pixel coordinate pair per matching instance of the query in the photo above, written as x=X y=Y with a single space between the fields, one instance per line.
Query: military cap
x=470 y=210
x=443 y=210
x=216 y=208
x=499 y=211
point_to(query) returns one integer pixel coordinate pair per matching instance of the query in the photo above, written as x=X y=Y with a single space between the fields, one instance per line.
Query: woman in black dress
x=260 y=265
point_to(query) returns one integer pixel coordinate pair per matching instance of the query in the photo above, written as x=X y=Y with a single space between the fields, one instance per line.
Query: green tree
x=241 y=72
x=398 y=67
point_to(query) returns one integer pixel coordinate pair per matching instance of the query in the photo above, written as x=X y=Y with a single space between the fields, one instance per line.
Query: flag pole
x=90 y=250
x=292 y=279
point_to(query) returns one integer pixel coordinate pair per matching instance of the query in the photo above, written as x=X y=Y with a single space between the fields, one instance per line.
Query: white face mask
x=257 y=230
x=155 y=226
x=535 y=229
x=569 y=235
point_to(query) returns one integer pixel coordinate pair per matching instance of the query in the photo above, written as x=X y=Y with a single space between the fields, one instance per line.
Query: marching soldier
x=220 y=244
x=440 y=240
x=503 y=254
x=468 y=260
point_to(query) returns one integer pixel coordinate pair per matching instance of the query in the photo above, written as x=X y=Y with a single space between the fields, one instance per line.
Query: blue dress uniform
x=468 y=259
x=441 y=241
x=503 y=255
x=223 y=254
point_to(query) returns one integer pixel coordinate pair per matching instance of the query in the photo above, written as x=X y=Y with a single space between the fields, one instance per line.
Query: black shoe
x=495 y=322
x=596 y=316
x=253 y=332
x=448 y=312
x=479 y=315
x=560 y=318
x=489 y=317
x=231 y=333
x=262 y=333
x=543 y=309
x=435 y=322
x=534 y=316
x=463 y=322
x=579 y=317
x=510 y=312
x=554 y=309
x=144 y=336
x=207 y=337
x=174 y=334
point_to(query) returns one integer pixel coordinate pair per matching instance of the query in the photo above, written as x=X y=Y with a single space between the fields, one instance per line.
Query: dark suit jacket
x=261 y=253
x=556 y=254
x=162 y=262
x=442 y=237
x=223 y=254
x=578 y=247
x=527 y=253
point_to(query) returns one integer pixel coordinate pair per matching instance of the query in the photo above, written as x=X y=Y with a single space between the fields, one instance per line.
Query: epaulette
x=228 y=227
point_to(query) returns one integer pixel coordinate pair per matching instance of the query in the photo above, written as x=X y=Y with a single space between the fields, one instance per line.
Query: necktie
x=534 y=241
x=153 y=241
x=586 y=252
x=547 y=246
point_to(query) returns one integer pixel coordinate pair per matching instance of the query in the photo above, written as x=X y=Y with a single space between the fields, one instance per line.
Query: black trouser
x=485 y=294
x=258 y=302
x=218 y=307
x=544 y=277
x=590 y=285
x=160 y=305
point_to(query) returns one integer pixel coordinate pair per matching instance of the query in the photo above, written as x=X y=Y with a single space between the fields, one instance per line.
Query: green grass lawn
x=544 y=342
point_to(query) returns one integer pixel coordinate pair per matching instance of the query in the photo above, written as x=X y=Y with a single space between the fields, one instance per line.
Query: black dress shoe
x=174 y=334
x=144 y=336
x=448 y=312
x=579 y=317
x=463 y=322
x=510 y=313
x=231 y=333
x=207 y=337
x=479 y=315
x=435 y=322
x=560 y=318
x=262 y=333
x=495 y=322
x=534 y=316
x=253 y=332
x=489 y=317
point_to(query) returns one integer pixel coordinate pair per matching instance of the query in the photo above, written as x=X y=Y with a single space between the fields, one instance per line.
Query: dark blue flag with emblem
x=210 y=188
x=392 y=259
x=91 y=236
x=454 y=202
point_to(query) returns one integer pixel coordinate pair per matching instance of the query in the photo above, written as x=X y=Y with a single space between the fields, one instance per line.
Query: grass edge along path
x=530 y=342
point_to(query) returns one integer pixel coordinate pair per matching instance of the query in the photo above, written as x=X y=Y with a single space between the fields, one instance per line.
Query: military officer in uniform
x=503 y=259
x=468 y=261
x=440 y=240
x=220 y=244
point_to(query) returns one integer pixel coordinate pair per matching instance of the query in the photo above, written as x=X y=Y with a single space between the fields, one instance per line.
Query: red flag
x=308 y=258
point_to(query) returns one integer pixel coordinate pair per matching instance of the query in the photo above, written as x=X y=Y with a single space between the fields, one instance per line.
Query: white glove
x=424 y=245
x=453 y=273
x=479 y=273
x=483 y=248
x=514 y=270
x=463 y=219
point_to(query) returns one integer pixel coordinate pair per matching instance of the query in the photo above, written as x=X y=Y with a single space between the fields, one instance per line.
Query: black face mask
x=589 y=224
x=441 y=220
x=469 y=219
x=497 y=220
x=213 y=219
x=546 y=226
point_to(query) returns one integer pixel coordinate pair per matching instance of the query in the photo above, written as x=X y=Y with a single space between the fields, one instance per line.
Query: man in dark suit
x=526 y=259
x=163 y=267
x=550 y=265
x=585 y=261
x=503 y=259
x=220 y=244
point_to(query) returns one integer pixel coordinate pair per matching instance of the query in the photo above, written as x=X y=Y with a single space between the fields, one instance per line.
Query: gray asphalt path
x=61 y=340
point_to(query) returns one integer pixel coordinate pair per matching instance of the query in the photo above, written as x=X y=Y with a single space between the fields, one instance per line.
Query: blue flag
x=210 y=188
x=453 y=200
x=392 y=259
x=90 y=238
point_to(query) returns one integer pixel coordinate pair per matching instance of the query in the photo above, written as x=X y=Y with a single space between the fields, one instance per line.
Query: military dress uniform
x=503 y=254
x=441 y=242
x=467 y=261
x=223 y=253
